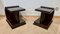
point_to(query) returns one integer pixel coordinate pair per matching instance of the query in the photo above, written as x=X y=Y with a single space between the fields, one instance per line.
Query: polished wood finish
x=46 y=17
x=12 y=16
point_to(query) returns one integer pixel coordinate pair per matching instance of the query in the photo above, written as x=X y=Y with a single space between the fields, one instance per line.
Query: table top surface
x=44 y=10
x=16 y=9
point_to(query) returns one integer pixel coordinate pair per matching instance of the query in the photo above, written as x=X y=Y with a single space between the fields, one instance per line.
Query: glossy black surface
x=12 y=16
x=46 y=17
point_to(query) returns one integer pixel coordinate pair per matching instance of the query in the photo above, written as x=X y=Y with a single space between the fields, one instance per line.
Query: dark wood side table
x=12 y=15
x=46 y=17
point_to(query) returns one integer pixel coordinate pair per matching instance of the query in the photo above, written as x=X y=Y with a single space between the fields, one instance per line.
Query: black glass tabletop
x=15 y=8
x=44 y=10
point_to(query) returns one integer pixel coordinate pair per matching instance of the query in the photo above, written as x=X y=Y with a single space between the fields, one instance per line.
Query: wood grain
x=29 y=28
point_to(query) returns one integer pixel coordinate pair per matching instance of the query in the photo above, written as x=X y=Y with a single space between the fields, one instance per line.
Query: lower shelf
x=22 y=22
x=37 y=23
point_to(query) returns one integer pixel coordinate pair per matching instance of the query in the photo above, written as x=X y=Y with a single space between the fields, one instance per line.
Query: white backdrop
x=30 y=5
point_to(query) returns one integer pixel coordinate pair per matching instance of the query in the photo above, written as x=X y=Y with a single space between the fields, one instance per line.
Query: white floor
x=29 y=28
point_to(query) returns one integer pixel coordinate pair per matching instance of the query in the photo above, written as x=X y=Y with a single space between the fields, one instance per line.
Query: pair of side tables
x=15 y=20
